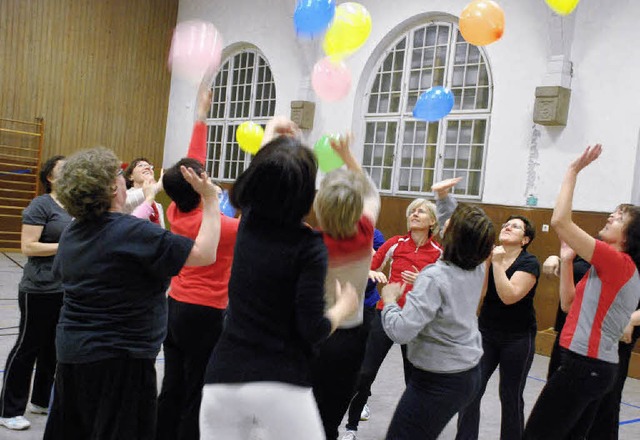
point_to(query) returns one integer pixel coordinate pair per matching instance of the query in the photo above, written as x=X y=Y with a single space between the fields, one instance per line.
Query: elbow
x=565 y=306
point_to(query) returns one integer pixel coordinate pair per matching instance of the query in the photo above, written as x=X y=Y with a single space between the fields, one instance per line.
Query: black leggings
x=378 y=345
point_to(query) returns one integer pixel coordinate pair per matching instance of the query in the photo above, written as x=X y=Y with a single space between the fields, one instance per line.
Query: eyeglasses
x=513 y=226
x=144 y=165
x=120 y=172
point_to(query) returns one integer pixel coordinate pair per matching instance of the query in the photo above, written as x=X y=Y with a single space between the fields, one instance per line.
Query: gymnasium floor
x=386 y=390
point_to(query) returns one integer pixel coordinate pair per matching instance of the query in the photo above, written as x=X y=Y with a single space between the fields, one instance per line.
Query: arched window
x=405 y=156
x=243 y=90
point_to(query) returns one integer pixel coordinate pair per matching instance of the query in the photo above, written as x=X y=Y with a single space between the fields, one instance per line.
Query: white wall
x=603 y=102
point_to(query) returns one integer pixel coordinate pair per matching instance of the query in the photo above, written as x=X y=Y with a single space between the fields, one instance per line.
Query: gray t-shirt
x=438 y=322
x=43 y=211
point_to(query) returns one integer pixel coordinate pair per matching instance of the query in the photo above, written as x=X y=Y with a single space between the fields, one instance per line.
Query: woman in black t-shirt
x=39 y=299
x=507 y=323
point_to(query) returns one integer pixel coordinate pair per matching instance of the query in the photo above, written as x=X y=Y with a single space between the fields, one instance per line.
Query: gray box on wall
x=302 y=113
x=552 y=105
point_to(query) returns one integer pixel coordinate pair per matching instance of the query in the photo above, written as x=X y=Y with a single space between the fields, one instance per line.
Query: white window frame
x=404 y=115
x=230 y=154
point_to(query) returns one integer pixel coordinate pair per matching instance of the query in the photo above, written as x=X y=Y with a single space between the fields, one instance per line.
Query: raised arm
x=445 y=202
x=577 y=239
x=371 y=197
x=198 y=144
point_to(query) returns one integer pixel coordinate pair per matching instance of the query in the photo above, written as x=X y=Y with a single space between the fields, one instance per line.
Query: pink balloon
x=196 y=50
x=331 y=80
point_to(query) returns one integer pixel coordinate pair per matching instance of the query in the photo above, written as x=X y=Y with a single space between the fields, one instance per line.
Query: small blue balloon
x=434 y=104
x=225 y=205
x=313 y=17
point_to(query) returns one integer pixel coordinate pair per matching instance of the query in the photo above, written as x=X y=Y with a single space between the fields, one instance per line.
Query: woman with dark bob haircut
x=438 y=323
x=600 y=307
x=39 y=299
x=258 y=375
x=115 y=270
x=508 y=326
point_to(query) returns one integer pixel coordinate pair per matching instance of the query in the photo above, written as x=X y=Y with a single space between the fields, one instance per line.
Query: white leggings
x=259 y=410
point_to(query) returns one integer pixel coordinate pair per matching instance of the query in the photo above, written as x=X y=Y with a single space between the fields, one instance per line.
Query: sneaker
x=16 y=423
x=349 y=435
x=37 y=409
x=365 y=414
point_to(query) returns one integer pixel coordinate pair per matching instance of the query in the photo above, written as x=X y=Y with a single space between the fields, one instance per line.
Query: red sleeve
x=378 y=258
x=198 y=144
x=612 y=265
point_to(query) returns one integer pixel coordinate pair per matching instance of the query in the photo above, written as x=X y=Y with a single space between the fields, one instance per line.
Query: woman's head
x=421 y=216
x=339 y=202
x=280 y=182
x=517 y=230
x=50 y=171
x=623 y=229
x=90 y=182
x=138 y=171
x=469 y=237
x=178 y=189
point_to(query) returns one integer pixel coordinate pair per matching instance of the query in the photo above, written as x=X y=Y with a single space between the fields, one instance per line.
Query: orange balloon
x=482 y=22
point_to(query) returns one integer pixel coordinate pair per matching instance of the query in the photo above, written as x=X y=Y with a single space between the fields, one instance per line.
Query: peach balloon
x=482 y=22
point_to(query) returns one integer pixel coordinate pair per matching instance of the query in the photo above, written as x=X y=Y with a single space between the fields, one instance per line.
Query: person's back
x=275 y=272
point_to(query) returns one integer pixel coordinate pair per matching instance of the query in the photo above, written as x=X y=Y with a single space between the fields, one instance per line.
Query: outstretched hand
x=341 y=144
x=201 y=184
x=588 y=156
x=442 y=188
x=280 y=126
x=391 y=292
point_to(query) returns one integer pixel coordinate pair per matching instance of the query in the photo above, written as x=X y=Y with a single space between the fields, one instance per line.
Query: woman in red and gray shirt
x=600 y=307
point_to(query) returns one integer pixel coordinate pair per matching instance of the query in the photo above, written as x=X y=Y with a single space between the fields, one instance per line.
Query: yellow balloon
x=563 y=7
x=349 y=30
x=249 y=136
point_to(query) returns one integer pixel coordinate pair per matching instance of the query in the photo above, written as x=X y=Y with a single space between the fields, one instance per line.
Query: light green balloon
x=328 y=159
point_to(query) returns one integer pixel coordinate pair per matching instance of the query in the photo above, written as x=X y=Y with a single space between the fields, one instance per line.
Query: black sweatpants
x=111 y=399
x=334 y=373
x=192 y=333
x=35 y=345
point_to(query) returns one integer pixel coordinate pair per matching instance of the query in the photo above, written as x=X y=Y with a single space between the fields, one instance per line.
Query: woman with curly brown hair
x=115 y=270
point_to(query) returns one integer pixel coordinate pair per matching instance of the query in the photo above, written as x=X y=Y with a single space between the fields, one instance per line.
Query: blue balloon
x=434 y=104
x=313 y=17
x=225 y=205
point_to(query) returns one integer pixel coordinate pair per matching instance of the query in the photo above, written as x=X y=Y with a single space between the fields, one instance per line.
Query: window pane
x=252 y=89
x=419 y=155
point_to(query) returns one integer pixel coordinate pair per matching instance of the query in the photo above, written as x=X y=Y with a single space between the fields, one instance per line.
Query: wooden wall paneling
x=95 y=70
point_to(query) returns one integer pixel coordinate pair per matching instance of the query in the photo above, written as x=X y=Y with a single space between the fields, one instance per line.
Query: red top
x=203 y=285
x=604 y=300
x=198 y=145
x=348 y=250
x=404 y=254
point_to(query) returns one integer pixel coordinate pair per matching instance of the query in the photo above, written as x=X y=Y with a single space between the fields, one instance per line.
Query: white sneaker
x=37 y=409
x=16 y=423
x=365 y=414
x=349 y=435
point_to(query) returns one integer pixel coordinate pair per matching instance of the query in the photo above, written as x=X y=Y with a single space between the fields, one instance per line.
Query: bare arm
x=30 y=244
x=371 y=197
x=567 y=286
x=628 y=331
x=510 y=290
x=205 y=247
x=577 y=239
x=346 y=304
